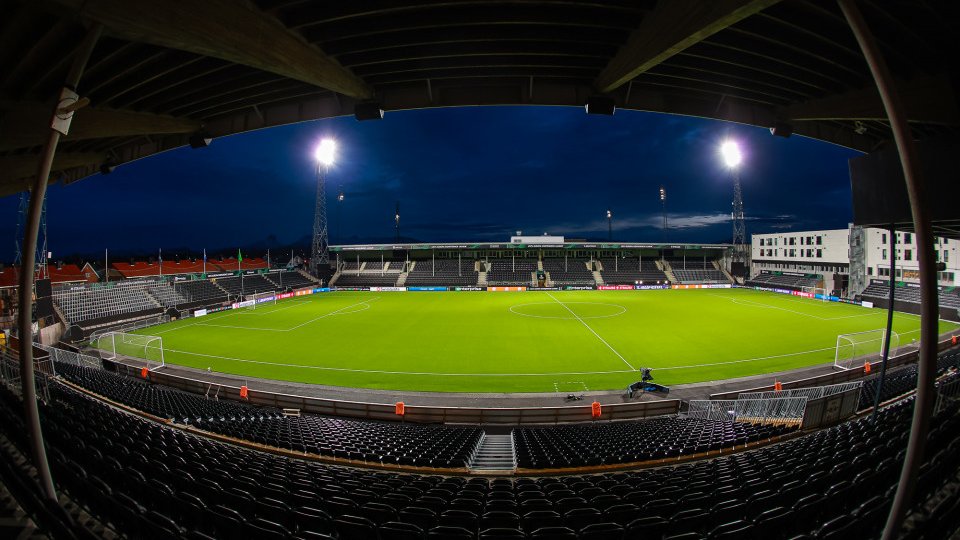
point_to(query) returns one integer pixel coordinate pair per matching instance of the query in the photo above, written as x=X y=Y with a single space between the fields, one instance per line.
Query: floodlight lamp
x=326 y=151
x=663 y=194
x=609 y=214
x=731 y=154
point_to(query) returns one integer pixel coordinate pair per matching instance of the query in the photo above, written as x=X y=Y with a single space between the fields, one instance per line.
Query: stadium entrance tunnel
x=568 y=310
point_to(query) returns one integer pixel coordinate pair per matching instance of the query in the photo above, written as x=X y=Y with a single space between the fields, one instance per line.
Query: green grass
x=520 y=342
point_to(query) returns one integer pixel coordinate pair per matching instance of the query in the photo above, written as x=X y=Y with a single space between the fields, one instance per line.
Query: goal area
x=114 y=344
x=852 y=349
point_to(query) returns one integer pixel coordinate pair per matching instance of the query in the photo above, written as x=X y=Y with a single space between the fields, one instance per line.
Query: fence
x=43 y=371
x=507 y=416
x=836 y=377
x=816 y=392
x=72 y=358
x=947 y=393
x=776 y=411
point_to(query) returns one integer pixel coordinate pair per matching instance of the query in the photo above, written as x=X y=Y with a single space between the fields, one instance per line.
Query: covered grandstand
x=123 y=452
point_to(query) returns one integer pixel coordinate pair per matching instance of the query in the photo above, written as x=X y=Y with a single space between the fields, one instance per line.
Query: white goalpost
x=815 y=291
x=852 y=348
x=114 y=344
x=261 y=298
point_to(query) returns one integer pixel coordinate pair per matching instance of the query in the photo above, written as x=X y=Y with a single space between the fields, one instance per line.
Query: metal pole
x=106 y=265
x=886 y=336
x=927 y=363
x=37 y=195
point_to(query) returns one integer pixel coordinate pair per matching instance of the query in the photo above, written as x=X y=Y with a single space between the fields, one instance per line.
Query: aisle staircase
x=668 y=270
x=496 y=453
x=402 y=279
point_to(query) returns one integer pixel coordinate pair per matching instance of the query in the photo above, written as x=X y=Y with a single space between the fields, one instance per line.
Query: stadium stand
x=877 y=290
x=153 y=481
x=511 y=271
x=626 y=442
x=381 y=442
x=443 y=272
x=569 y=271
x=700 y=276
x=251 y=284
x=628 y=271
x=201 y=291
x=288 y=279
x=767 y=279
x=902 y=380
x=164 y=293
x=107 y=301
x=366 y=279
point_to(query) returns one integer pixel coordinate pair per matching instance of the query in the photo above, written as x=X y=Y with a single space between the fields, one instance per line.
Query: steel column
x=37 y=195
x=927 y=363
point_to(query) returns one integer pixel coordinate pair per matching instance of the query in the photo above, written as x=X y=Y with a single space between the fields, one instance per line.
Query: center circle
x=568 y=310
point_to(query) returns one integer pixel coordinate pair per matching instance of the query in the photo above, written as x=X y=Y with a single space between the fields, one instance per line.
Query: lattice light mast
x=320 y=252
x=663 y=210
x=732 y=157
x=609 y=225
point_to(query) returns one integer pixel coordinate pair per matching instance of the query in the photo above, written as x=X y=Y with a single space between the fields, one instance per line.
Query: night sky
x=465 y=174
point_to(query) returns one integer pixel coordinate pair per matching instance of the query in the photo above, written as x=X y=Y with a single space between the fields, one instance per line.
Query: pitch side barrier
x=410 y=413
x=838 y=377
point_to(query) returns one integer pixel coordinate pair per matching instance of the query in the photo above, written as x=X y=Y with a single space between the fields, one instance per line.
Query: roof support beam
x=928 y=100
x=22 y=124
x=227 y=29
x=673 y=26
x=15 y=171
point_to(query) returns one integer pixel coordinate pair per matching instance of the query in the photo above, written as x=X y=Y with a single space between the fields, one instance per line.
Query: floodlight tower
x=396 y=222
x=733 y=158
x=320 y=252
x=609 y=226
x=339 y=223
x=663 y=210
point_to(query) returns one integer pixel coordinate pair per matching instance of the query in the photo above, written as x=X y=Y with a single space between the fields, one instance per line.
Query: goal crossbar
x=116 y=344
x=852 y=349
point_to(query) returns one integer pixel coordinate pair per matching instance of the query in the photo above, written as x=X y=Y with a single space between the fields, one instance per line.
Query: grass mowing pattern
x=567 y=341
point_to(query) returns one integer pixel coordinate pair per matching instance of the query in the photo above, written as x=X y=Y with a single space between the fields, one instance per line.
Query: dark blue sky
x=466 y=174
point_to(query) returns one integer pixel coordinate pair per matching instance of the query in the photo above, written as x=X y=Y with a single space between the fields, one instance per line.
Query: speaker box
x=43 y=288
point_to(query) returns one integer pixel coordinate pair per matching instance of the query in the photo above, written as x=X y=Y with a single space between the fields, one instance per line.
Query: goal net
x=261 y=298
x=114 y=344
x=852 y=349
x=817 y=291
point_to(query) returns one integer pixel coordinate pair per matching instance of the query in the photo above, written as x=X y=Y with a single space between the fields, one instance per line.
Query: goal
x=853 y=349
x=261 y=298
x=823 y=293
x=114 y=344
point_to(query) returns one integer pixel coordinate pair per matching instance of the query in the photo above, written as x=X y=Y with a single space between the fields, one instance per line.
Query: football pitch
x=535 y=341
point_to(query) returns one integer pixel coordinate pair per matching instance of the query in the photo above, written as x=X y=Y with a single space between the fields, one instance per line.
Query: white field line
x=340 y=311
x=592 y=331
x=549 y=373
x=768 y=306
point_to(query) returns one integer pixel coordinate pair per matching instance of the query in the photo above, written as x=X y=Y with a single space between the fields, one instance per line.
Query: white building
x=847 y=259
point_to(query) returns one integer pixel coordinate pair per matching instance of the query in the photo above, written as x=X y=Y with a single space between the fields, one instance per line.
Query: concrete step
x=496 y=453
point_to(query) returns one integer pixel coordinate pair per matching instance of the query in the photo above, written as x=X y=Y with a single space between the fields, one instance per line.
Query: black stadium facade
x=89 y=85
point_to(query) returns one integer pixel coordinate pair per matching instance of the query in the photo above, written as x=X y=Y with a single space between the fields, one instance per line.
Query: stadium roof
x=165 y=70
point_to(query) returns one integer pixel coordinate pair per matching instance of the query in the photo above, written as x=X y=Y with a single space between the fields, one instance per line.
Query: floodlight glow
x=731 y=154
x=609 y=214
x=663 y=194
x=326 y=151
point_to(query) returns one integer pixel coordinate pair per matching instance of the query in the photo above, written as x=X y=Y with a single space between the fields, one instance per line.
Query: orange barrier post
x=399 y=408
x=866 y=367
x=595 y=409
x=244 y=391
x=953 y=340
x=143 y=372
x=778 y=386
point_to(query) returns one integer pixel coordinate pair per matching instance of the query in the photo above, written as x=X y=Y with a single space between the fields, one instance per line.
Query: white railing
x=780 y=410
x=947 y=393
x=72 y=358
x=811 y=394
